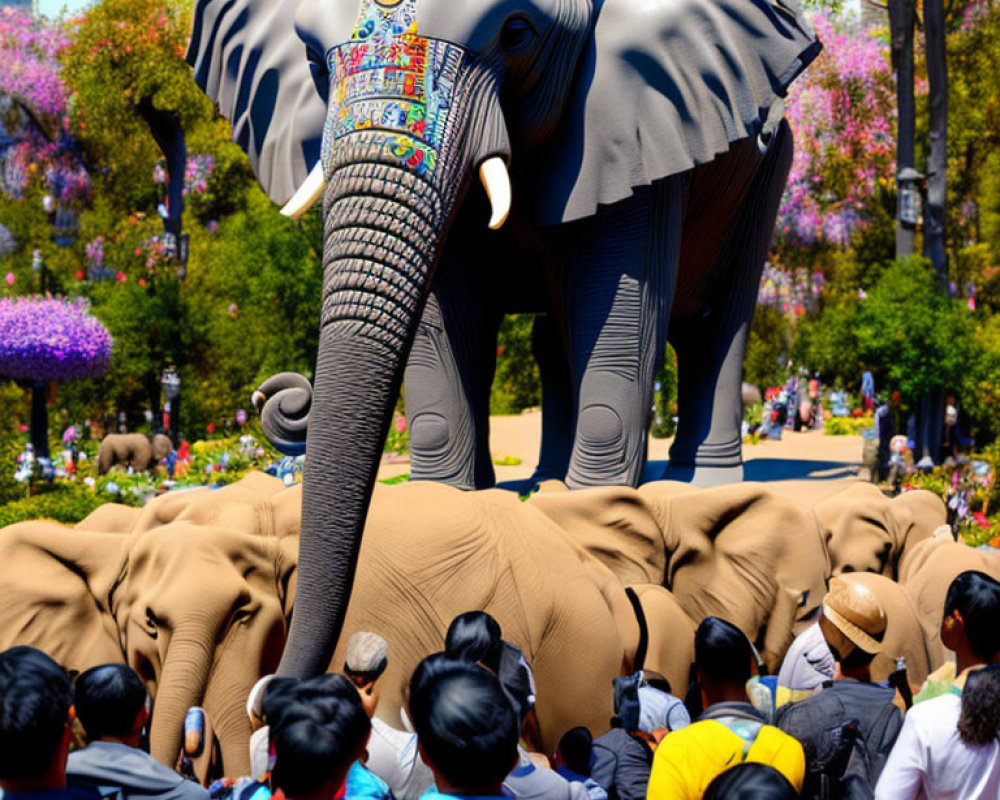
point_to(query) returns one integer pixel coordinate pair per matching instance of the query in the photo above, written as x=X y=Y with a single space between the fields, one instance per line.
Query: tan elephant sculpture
x=194 y=591
x=741 y=552
x=865 y=531
x=928 y=570
x=132 y=450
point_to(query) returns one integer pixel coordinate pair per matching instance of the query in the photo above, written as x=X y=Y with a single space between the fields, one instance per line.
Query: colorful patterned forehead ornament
x=389 y=78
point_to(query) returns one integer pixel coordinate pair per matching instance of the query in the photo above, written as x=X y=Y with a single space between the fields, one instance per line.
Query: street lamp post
x=38 y=267
x=910 y=200
x=171 y=383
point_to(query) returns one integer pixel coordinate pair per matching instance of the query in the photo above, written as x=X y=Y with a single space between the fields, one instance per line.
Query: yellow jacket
x=687 y=760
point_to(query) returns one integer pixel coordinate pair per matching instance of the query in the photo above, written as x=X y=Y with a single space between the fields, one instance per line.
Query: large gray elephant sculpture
x=610 y=115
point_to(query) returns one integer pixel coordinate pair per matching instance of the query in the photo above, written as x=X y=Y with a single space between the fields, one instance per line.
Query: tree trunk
x=937 y=158
x=901 y=18
x=40 y=419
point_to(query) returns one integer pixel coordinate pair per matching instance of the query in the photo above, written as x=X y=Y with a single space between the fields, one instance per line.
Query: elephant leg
x=710 y=347
x=549 y=350
x=622 y=269
x=447 y=382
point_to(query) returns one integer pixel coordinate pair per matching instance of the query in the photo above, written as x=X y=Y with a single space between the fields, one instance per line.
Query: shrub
x=517 y=384
x=67 y=504
x=665 y=399
x=848 y=426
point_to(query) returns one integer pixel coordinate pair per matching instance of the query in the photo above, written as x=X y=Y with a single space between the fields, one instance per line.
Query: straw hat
x=856 y=613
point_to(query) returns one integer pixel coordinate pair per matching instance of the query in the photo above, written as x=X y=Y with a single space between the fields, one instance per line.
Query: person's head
x=750 y=781
x=366 y=660
x=979 y=720
x=853 y=623
x=724 y=661
x=35 y=703
x=110 y=703
x=318 y=728
x=574 y=750
x=659 y=711
x=466 y=728
x=475 y=636
x=971 y=623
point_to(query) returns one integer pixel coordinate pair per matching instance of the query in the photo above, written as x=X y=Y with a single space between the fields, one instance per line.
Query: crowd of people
x=819 y=729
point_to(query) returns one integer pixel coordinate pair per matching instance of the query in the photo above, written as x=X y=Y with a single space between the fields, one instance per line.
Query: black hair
x=316 y=727
x=856 y=658
x=979 y=721
x=108 y=699
x=576 y=746
x=35 y=696
x=976 y=596
x=722 y=651
x=750 y=781
x=475 y=636
x=464 y=722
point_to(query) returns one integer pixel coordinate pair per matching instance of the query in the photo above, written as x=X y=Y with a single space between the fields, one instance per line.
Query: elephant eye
x=803 y=598
x=517 y=34
x=241 y=616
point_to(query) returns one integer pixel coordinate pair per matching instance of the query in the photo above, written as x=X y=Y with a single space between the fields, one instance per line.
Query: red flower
x=79 y=274
x=121 y=277
x=210 y=427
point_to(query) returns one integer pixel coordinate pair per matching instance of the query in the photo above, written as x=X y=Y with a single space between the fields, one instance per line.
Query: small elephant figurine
x=132 y=450
x=640 y=146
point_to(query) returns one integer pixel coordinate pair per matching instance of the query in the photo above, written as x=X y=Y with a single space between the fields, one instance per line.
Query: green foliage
x=665 y=399
x=981 y=383
x=910 y=331
x=126 y=53
x=848 y=426
x=828 y=343
x=68 y=503
x=767 y=348
x=517 y=384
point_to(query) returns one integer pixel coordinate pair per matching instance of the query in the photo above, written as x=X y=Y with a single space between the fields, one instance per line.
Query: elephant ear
x=249 y=59
x=663 y=87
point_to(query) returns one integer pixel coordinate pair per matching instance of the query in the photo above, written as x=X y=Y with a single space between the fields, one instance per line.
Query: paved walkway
x=807 y=466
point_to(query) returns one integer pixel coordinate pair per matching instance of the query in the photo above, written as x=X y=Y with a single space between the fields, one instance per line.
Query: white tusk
x=307 y=195
x=496 y=182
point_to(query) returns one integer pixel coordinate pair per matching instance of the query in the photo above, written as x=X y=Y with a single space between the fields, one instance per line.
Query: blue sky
x=51 y=8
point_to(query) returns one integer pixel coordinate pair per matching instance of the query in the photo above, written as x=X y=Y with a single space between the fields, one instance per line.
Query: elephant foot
x=704 y=476
x=710 y=465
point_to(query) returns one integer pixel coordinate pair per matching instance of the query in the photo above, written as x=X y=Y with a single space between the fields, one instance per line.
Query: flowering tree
x=46 y=339
x=29 y=47
x=841 y=112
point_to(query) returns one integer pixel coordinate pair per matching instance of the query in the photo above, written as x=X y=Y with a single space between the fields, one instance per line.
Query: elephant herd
x=195 y=591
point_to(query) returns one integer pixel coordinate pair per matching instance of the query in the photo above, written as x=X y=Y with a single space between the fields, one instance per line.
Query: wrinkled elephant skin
x=195 y=590
x=604 y=113
x=871 y=533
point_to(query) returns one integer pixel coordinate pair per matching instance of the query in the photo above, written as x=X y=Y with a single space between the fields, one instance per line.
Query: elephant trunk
x=382 y=230
x=225 y=706
x=181 y=685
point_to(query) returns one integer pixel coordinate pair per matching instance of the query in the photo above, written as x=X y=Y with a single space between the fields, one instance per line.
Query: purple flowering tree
x=50 y=339
x=842 y=112
x=29 y=47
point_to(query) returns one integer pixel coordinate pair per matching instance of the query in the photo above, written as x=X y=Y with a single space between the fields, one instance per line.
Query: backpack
x=841 y=762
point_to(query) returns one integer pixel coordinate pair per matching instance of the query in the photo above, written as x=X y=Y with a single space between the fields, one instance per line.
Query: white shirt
x=930 y=762
x=808 y=662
